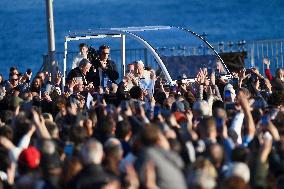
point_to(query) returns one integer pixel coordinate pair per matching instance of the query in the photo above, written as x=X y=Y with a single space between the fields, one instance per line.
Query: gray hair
x=139 y=62
x=201 y=178
x=239 y=169
x=48 y=147
x=114 y=148
x=92 y=152
x=84 y=62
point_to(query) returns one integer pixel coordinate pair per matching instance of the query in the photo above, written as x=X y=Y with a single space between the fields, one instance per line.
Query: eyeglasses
x=15 y=79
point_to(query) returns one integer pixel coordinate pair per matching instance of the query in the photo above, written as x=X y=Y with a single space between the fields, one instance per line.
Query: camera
x=93 y=54
x=248 y=71
x=157 y=111
x=29 y=71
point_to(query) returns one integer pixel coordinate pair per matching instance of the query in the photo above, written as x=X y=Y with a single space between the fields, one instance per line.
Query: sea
x=23 y=30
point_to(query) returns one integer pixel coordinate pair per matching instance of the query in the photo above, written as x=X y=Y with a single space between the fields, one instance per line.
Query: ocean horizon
x=23 y=23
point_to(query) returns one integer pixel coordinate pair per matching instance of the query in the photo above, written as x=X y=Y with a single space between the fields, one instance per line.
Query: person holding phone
x=229 y=93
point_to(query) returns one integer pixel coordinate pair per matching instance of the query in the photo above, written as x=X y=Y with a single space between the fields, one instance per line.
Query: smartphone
x=235 y=81
x=157 y=111
x=99 y=98
x=69 y=149
x=227 y=95
x=230 y=106
x=219 y=122
x=124 y=105
x=265 y=120
x=109 y=109
x=248 y=71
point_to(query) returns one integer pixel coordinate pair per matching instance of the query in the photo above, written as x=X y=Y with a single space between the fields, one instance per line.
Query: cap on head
x=29 y=157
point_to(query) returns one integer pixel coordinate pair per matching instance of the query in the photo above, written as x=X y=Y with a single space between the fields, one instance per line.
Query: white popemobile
x=152 y=38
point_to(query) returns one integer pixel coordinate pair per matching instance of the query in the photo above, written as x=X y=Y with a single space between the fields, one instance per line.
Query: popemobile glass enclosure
x=171 y=51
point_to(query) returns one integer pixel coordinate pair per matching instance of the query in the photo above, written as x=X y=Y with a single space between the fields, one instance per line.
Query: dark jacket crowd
x=212 y=133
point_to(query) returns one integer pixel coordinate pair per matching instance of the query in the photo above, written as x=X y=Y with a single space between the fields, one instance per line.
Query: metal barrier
x=256 y=51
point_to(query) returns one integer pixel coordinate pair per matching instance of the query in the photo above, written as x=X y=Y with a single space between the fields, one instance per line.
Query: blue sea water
x=23 y=23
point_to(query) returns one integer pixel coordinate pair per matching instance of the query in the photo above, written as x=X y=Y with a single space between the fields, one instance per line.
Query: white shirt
x=147 y=83
x=77 y=59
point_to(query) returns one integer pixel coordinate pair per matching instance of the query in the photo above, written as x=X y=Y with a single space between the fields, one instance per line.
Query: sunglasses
x=15 y=79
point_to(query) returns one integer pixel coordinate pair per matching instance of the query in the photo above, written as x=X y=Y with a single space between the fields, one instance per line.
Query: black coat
x=76 y=72
x=90 y=177
x=96 y=76
x=277 y=84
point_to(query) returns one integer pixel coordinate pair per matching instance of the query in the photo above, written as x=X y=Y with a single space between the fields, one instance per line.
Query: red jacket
x=268 y=74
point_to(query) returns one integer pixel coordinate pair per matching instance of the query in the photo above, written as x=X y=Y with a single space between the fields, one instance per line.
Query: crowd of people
x=140 y=133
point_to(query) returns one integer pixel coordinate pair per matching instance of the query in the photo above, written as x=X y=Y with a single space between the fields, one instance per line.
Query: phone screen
x=235 y=81
x=227 y=94
x=219 y=122
x=157 y=111
x=68 y=149
x=265 y=120
x=230 y=106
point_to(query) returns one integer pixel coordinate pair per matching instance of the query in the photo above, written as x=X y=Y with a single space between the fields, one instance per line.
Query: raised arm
x=40 y=125
x=266 y=61
x=249 y=123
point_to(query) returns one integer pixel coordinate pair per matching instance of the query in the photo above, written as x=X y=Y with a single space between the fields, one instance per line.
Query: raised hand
x=242 y=74
x=39 y=123
x=200 y=78
x=58 y=78
x=266 y=147
x=266 y=61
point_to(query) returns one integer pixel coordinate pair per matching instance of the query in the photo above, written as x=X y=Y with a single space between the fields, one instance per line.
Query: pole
x=123 y=54
x=50 y=64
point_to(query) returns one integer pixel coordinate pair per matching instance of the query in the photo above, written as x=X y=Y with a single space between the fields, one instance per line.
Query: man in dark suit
x=80 y=71
x=104 y=70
